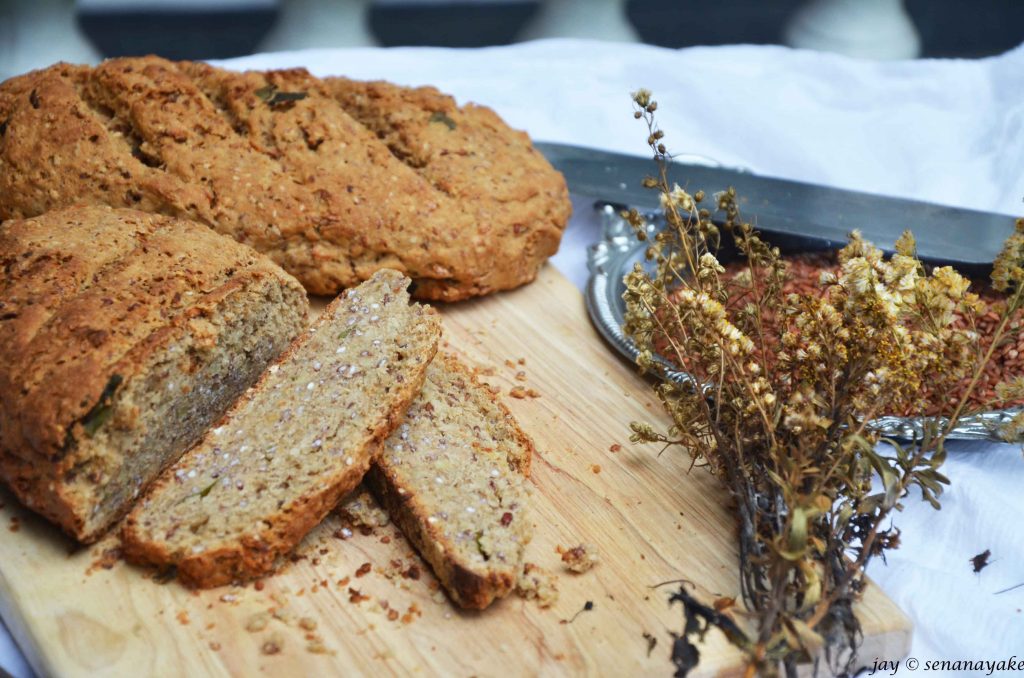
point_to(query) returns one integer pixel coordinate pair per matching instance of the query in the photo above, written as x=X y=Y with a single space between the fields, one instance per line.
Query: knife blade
x=945 y=235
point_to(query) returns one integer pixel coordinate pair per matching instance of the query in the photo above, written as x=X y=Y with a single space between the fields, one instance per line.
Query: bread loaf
x=452 y=477
x=123 y=335
x=296 y=442
x=454 y=198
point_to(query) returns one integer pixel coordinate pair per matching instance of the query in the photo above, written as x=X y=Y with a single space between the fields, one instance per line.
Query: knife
x=945 y=235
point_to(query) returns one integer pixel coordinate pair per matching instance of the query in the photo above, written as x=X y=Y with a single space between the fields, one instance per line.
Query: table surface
x=946 y=131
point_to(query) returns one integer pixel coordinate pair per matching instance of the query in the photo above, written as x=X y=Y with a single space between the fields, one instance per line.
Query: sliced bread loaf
x=297 y=441
x=452 y=477
x=123 y=336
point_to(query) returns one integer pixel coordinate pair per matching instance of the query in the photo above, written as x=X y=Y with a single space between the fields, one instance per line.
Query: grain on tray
x=1008 y=360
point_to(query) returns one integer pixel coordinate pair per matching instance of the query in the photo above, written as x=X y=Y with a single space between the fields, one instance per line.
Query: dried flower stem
x=780 y=411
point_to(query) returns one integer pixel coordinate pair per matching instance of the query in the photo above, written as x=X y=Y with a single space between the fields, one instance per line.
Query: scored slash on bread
x=452 y=476
x=518 y=205
x=123 y=336
x=296 y=442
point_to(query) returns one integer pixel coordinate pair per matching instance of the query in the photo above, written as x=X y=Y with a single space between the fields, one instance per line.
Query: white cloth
x=939 y=130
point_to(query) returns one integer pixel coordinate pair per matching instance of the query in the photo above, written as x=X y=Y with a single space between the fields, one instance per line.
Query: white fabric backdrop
x=946 y=131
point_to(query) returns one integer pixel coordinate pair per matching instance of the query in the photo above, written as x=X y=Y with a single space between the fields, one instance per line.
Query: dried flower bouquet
x=781 y=419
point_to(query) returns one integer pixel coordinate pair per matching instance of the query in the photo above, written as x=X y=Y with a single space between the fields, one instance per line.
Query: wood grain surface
x=74 y=614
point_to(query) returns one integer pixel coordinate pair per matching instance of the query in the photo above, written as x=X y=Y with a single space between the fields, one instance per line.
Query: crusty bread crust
x=470 y=587
x=253 y=556
x=278 y=161
x=91 y=297
x=519 y=206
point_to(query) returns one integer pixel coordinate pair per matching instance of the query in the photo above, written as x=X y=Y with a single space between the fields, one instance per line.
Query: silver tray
x=614 y=256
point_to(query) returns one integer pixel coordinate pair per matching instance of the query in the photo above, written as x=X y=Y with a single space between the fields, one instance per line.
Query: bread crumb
x=509 y=364
x=579 y=558
x=517 y=392
x=183 y=618
x=356 y=596
x=361 y=510
x=105 y=559
x=316 y=646
x=364 y=569
x=15 y=524
x=596 y=468
x=536 y=583
x=307 y=624
x=257 y=622
x=520 y=376
x=411 y=614
x=615 y=448
x=272 y=645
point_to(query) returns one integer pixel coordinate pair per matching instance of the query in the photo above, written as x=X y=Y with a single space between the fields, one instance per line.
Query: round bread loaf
x=332 y=179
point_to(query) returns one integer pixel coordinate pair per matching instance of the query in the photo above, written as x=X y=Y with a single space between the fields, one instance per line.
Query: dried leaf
x=206 y=490
x=101 y=412
x=439 y=116
x=652 y=642
x=274 y=97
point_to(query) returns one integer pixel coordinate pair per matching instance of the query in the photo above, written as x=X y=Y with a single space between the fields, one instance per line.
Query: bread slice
x=296 y=442
x=452 y=477
x=123 y=336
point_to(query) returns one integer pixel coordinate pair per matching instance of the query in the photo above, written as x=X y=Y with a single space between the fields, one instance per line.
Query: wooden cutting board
x=651 y=520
